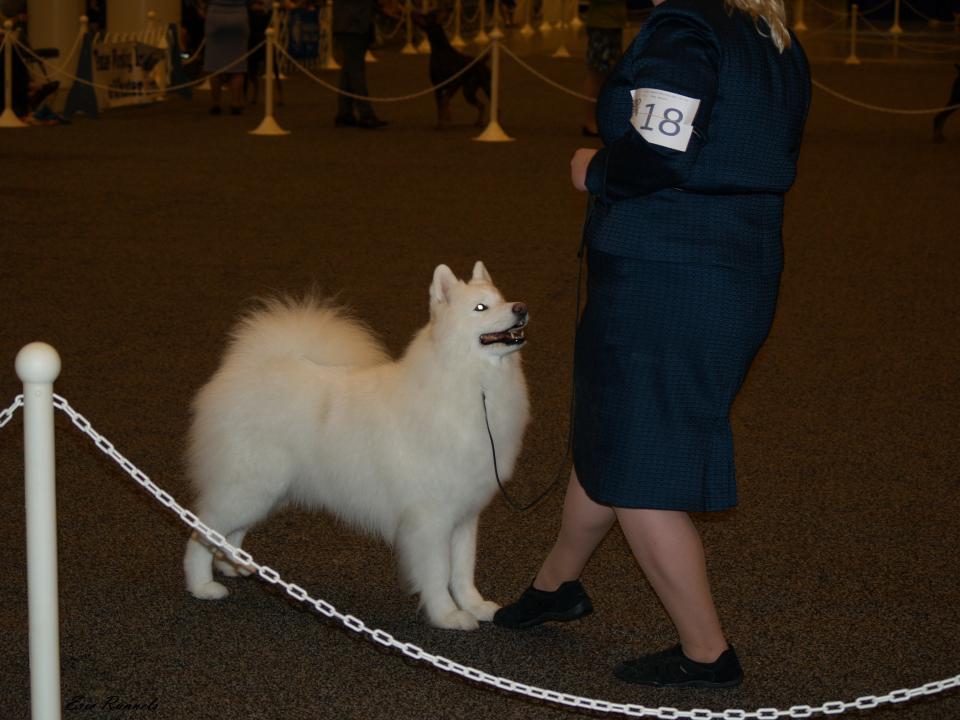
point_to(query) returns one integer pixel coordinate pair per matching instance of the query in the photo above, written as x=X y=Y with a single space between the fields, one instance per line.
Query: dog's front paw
x=456 y=620
x=209 y=591
x=483 y=611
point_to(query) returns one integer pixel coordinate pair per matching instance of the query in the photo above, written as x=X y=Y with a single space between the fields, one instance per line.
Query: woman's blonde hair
x=774 y=14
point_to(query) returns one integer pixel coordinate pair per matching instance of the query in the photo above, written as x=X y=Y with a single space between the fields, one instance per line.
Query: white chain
x=371 y=98
x=543 y=77
x=7 y=414
x=878 y=108
x=445 y=664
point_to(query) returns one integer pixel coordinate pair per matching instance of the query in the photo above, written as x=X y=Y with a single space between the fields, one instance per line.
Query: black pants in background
x=353 y=74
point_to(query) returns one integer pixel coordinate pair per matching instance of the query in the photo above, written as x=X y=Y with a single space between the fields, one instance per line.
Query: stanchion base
x=9 y=119
x=458 y=42
x=852 y=60
x=576 y=23
x=330 y=64
x=493 y=133
x=424 y=48
x=409 y=49
x=545 y=26
x=527 y=30
x=799 y=26
x=268 y=126
x=895 y=30
x=481 y=38
x=370 y=57
x=562 y=52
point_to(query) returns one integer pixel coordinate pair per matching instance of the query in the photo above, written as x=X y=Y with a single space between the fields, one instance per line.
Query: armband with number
x=664 y=118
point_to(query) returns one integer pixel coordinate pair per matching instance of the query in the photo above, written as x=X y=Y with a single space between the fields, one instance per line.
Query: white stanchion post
x=798 y=24
x=527 y=29
x=575 y=22
x=329 y=63
x=545 y=25
x=457 y=40
x=481 y=38
x=269 y=126
x=424 y=47
x=895 y=29
x=852 y=58
x=409 y=48
x=561 y=51
x=38 y=365
x=275 y=19
x=493 y=132
x=8 y=119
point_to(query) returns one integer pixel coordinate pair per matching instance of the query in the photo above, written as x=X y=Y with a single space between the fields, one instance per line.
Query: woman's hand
x=578 y=167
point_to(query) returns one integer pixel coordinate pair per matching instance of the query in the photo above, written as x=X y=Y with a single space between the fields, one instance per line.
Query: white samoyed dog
x=307 y=408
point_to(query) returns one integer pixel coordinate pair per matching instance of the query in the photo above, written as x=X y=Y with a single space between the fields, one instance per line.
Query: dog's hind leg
x=423 y=548
x=232 y=517
x=224 y=565
x=442 y=108
x=470 y=94
x=463 y=554
x=198 y=568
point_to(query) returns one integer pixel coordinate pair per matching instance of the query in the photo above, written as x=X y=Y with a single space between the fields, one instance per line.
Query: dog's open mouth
x=511 y=336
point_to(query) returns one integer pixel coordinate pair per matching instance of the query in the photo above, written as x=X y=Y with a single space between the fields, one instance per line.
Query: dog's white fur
x=308 y=408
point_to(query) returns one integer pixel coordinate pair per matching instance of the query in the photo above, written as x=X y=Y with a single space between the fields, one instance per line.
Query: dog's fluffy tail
x=313 y=328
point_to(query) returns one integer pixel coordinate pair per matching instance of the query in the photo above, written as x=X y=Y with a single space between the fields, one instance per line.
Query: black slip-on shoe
x=671 y=668
x=535 y=607
x=345 y=121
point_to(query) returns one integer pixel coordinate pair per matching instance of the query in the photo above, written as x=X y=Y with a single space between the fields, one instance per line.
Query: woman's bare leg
x=584 y=524
x=669 y=550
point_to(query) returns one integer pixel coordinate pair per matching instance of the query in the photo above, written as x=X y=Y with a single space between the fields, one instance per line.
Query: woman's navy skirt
x=661 y=351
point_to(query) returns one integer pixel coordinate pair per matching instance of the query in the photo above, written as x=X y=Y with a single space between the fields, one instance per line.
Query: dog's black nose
x=519 y=309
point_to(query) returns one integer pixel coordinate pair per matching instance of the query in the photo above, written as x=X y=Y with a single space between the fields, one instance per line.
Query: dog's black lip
x=485 y=337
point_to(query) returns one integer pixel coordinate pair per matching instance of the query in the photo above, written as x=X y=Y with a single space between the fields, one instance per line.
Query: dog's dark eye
x=480 y=307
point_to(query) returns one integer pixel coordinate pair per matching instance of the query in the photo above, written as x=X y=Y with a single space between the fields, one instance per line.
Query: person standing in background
x=227 y=31
x=604 y=20
x=352 y=34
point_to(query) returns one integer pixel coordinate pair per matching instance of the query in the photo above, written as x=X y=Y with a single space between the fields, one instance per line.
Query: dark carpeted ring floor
x=131 y=242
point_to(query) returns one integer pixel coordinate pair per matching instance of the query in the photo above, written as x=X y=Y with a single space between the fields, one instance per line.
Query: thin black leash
x=566 y=454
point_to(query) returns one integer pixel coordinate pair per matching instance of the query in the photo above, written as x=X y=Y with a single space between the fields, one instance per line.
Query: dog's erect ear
x=480 y=273
x=443 y=280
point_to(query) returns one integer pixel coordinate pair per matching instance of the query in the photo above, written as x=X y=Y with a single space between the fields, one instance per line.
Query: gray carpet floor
x=131 y=242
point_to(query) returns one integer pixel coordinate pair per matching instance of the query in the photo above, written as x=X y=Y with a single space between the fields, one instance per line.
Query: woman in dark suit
x=701 y=123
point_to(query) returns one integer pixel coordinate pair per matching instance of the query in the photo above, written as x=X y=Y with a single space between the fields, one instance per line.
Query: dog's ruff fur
x=308 y=408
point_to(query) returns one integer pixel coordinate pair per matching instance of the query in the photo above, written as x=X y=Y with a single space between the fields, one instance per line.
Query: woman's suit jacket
x=719 y=200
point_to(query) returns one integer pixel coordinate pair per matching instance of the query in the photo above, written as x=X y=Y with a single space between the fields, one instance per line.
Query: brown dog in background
x=445 y=62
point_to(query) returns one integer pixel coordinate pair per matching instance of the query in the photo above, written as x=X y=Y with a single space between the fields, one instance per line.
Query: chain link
x=382 y=637
x=7 y=414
